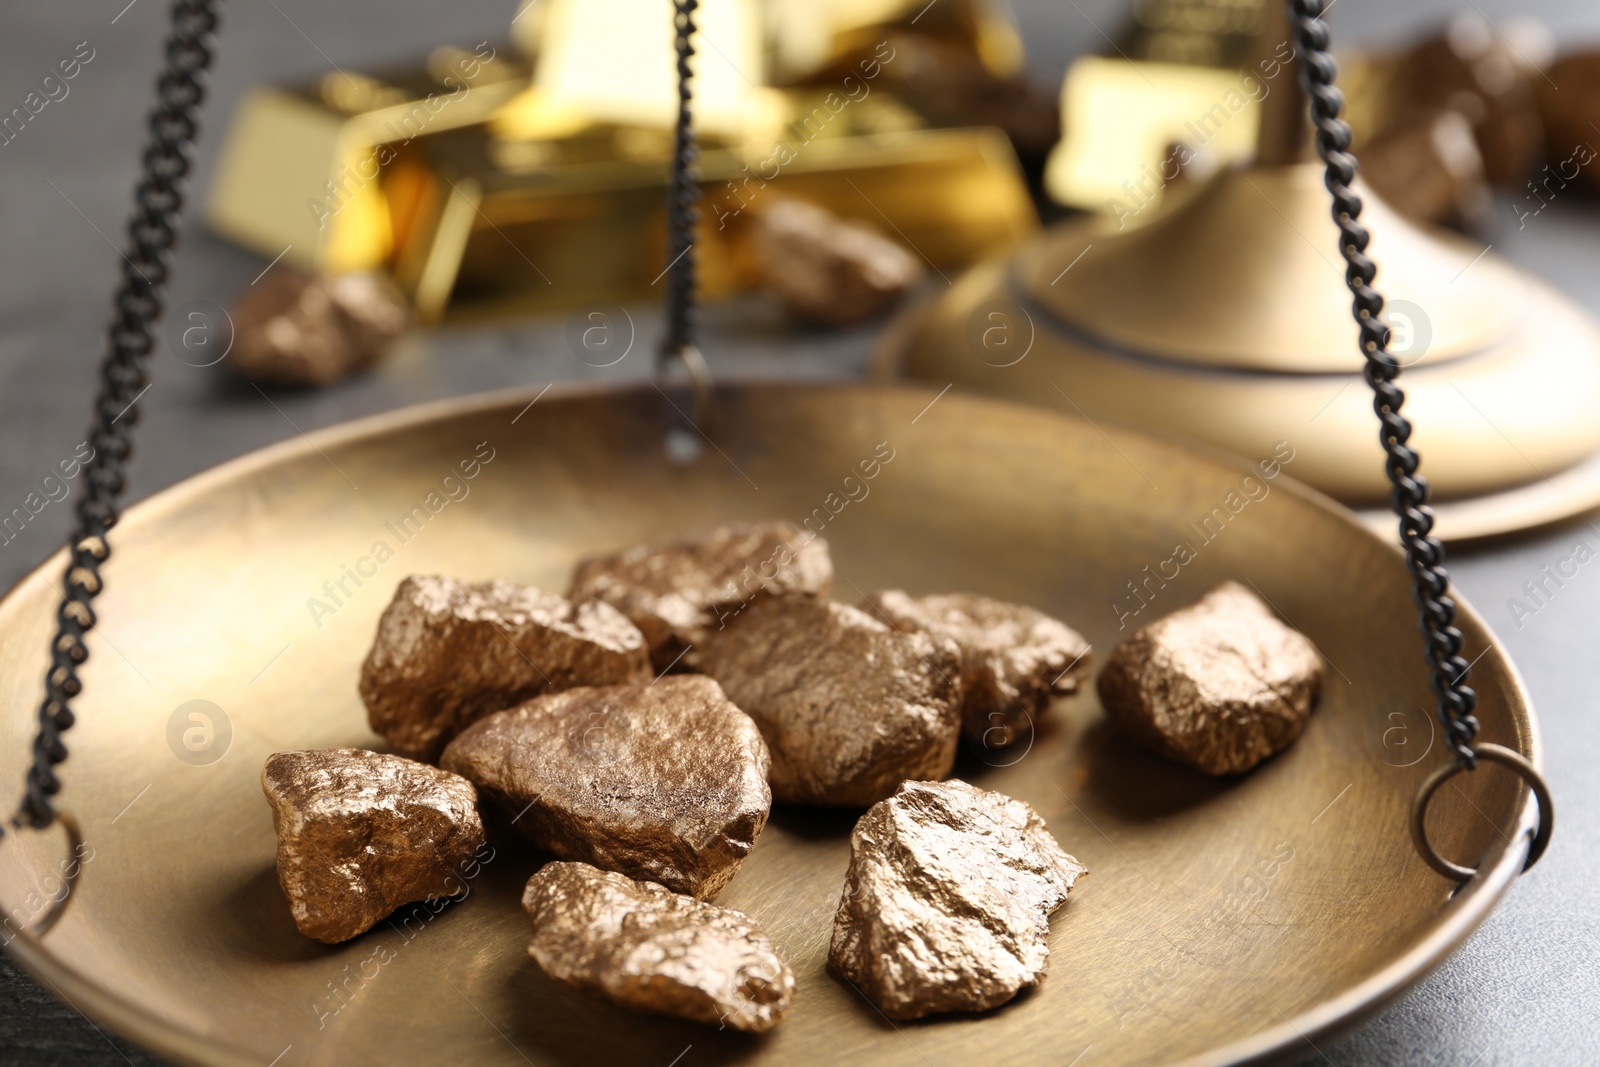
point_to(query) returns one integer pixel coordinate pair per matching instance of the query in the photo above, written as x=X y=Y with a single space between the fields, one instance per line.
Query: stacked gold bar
x=302 y=168
x=488 y=185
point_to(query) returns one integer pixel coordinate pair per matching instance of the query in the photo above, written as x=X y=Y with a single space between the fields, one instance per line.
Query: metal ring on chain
x=1494 y=754
x=1424 y=552
x=70 y=871
x=146 y=262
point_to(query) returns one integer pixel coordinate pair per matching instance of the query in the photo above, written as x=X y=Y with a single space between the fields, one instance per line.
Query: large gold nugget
x=1220 y=685
x=360 y=833
x=947 y=900
x=652 y=950
x=666 y=781
x=849 y=707
x=1014 y=659
x=448 y=653
x=680 y=594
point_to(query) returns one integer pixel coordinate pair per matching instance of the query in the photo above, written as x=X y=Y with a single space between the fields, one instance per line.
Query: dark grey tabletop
x=1522 y=990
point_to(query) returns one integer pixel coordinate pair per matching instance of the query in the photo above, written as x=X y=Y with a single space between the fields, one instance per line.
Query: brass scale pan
x=1224 y=921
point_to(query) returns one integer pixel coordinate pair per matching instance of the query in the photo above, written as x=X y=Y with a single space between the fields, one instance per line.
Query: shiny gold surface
x=490 y=239
x=1219 y=685
x=946 y=903
x=653 y=950
x=1225 y=920
x=608 y=61
x=1119 y=120
x=1225 y=318
x=299 y=171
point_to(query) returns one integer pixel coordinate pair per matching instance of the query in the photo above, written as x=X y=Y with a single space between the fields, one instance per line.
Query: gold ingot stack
x=536 y=191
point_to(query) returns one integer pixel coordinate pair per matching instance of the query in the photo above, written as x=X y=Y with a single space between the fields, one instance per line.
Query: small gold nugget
x=1219 y=686
x=448 y=653
x=360 y=833
x=294 y=330
x=1014 y=659
x=849 y=707
x=830 y=269
x=652 y=950
x=665 y=781
x=947 y=900
x=679 y=594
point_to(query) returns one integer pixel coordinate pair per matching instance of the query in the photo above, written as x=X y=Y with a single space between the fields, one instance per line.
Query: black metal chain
x=1424 y=553
x=682 y=196
x=152 y=232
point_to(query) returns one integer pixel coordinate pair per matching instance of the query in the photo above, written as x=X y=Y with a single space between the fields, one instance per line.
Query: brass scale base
x=1222 y=921
x=1222 y=315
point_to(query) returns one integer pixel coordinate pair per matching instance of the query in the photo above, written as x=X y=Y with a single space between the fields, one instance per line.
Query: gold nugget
x=361 y=833
x=681 y=593
x=294 y=330
x=665 y=781
x=1014 y=660
x=652 y=950
x=830 y=269
x=1219 y=686
x=849 y=707
x=947 y=900
x=448 y=653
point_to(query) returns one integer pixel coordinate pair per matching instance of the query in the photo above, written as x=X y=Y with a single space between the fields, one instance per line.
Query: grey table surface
x=1522 y=990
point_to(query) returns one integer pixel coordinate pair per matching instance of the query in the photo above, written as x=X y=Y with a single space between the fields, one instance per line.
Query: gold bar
x=301 y=167
x=482 y=232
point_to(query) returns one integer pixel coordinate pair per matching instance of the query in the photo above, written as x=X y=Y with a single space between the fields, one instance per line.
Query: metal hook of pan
x=1494 y=754
x=71 y=871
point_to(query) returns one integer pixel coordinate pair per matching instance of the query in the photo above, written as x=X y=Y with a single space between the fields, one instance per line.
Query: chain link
x=1424 y=552
x=152 y=232
x=682 y=197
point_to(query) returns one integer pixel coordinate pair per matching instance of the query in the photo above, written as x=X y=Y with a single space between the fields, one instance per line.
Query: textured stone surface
x=1014 y=659
x=665 y=781
x=826 y=268
x=1219 y=685
x=361 y=833
x=448 y=653
x=679 y=594
x=849 y=707
x=290 y=329
x=947 y=900
x=653 y=950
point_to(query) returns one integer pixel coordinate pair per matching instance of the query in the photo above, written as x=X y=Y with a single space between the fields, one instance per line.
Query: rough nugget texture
x=652 y=950
x=448 y=653
x=849 y=707
x=666 y=781
x=682 y=593
x=1014 y=659
x=1220 y=685
x=947 y=900
x=360 y=834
